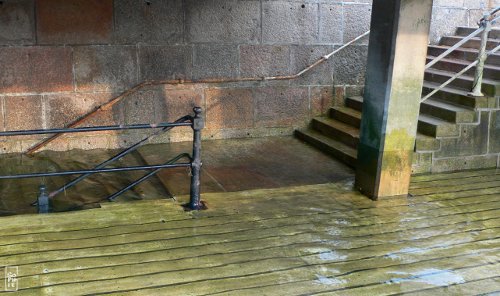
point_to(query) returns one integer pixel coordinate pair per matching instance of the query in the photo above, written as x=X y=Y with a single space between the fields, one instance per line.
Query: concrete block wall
x=62 y=58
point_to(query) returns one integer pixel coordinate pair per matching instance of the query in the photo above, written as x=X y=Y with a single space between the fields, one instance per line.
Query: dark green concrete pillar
x=394 y=78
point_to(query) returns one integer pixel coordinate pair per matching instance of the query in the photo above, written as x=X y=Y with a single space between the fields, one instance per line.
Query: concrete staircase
x=455 y=131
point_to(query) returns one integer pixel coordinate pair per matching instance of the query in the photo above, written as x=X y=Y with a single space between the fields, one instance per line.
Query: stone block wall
x=475 y=146
x=62 y=58
x=447 y=15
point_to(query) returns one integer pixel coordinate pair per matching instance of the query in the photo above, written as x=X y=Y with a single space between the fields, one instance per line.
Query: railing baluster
x=481 y=59
x=198 y=124
x=43 y=201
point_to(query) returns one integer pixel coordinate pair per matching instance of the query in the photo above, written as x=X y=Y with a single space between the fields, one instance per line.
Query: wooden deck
x=318 y=239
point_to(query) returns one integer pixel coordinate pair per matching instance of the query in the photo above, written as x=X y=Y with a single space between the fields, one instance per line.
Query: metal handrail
x=163 y=125
x=489 y=15
x=94 y=171
x=458 y=44
x=179 y=122
x=147 y=176
x=485 y=27
x=195 y=122
x=446 y=83
x=453 y=48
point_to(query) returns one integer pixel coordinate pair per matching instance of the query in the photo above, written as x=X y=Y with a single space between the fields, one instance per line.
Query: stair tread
x=151 y=159
x=475 y=28
x=433 y=120
x=331 y=142
x=449 y=89
x=473 y=38
x=466 y=49
x=425 y=137
x=446 y=105
x=463 y=62
x=357 y=98
x=344 y=127
x=464 y=77
x=350 y=111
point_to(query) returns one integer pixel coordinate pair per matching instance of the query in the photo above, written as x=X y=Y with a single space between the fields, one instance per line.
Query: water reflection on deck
x=318 y=239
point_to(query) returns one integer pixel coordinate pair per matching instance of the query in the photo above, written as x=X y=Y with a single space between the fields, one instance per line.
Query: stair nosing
x=464 y=77
x=442 y=104
x=349 y=111
x=463 y=62
x=453 y=90
x=437 y=121
x=467 y=49
x=338 y=145
x=351 y=130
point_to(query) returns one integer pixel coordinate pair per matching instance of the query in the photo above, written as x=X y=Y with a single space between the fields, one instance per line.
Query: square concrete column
x=394 y=78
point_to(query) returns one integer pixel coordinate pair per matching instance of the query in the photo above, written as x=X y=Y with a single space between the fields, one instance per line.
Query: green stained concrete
x=396 y=60
x=400 y=139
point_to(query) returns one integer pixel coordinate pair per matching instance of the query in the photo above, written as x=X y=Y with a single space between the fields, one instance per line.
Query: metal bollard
x=43 y=200
x=198 y=124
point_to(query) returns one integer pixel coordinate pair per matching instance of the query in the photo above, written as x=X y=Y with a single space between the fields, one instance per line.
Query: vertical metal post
x=198 y=124
x=478 y=77
x=43 y=200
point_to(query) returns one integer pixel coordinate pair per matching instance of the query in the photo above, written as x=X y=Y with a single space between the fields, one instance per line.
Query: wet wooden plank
x=454 y=182
x=61 y=240
x=297 y=240
x=453 y=175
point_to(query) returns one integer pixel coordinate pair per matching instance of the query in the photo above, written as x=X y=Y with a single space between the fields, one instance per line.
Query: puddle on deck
x=228 y=166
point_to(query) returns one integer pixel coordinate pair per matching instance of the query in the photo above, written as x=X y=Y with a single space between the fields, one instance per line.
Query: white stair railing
x=485 y=25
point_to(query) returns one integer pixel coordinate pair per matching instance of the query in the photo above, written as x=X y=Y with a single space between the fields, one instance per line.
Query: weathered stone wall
x=447 y=15
x=62 y=58
x=476 y=145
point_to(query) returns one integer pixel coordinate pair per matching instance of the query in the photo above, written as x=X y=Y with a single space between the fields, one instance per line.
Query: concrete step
x=473 y=43
x=448 y=111
x=455 y=66
x=159 y=179
x=339 y=150
x=346 y=115
x=490 y=87
x=355 y=103
x=337 y=130
x=153 y=182
x=428 y=125
x=347 y=153
x=467 y=54
x=466 y=31
x=456 y=96
x=426 y=143
x=435 y=127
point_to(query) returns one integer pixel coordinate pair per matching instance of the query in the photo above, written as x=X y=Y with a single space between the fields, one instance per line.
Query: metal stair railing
x=485 y=27
x=195 y=122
